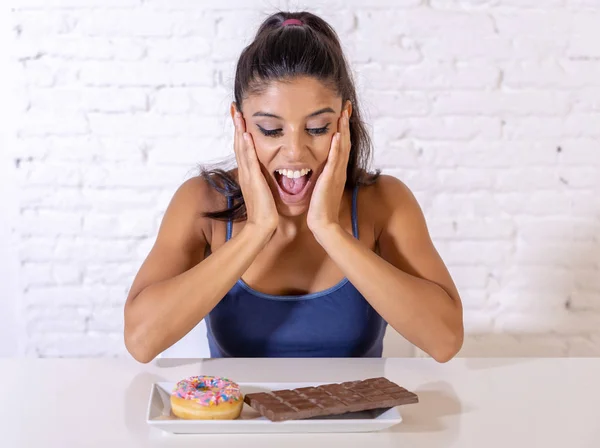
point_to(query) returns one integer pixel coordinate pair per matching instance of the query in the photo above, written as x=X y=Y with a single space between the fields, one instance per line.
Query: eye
x=319 y=131
x=277 y=132
x=270 y=132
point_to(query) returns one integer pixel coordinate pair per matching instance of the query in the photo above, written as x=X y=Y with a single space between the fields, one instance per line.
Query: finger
x=250 y=150
x=334 y=151
x=346 y=130
x=238 y=141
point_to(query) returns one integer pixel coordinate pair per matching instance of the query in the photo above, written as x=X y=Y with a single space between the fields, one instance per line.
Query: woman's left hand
x=324 y=208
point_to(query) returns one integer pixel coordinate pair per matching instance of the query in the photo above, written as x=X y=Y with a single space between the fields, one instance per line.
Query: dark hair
x=282 y=53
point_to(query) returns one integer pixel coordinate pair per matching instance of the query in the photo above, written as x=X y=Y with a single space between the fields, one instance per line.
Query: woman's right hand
x=260 y=204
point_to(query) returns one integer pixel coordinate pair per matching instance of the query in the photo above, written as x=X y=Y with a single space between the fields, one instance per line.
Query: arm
x=408 y=285
x=176 y=287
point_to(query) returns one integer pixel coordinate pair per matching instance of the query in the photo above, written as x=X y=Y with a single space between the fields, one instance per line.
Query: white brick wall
x=488 y=109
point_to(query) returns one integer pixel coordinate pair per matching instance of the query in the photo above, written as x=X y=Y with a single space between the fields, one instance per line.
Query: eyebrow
x=314 y=114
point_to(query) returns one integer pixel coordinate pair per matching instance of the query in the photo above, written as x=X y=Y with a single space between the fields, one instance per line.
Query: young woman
x=299 y=251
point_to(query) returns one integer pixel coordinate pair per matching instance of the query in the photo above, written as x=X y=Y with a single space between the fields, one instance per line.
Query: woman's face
x=292 y=124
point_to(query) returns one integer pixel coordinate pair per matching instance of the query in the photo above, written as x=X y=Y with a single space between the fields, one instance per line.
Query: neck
x=292 y=226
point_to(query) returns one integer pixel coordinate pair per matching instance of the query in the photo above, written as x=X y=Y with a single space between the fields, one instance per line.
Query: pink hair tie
x=292 y=22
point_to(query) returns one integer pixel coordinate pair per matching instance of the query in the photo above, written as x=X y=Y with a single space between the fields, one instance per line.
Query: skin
x=394 y=264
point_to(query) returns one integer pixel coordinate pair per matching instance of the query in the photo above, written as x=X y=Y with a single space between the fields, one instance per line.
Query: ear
x=233 y=109
x=348 y=106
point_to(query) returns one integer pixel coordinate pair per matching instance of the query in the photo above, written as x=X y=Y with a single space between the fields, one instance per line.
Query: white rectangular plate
x=250 y=421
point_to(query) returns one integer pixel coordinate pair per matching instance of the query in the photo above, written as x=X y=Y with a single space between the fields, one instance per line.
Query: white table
x=463 y=403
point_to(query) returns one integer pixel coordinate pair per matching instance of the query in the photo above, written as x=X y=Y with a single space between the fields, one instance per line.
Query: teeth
x=294 y=174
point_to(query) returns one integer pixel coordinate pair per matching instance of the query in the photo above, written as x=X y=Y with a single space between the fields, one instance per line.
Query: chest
x=300 y=265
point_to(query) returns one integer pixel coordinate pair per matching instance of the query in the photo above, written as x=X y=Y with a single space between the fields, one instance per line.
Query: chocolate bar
x=330 y=399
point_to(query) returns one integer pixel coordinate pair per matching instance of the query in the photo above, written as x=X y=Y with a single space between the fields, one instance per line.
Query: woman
x=310 y=254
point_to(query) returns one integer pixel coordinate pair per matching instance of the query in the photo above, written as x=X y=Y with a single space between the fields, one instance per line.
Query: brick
x=133 y=22
x=67 y=274
x=146 y=74
x=585 y=34
x=42 y=23
x=49 y=223
x=193 y=4
x=45 y=197
x=154 y=125
x=484 y=253
x=556 y=254
x=118 y=199
x=171 y=101
x=586 y=100
x=551 y=73
x=431 y=75
x=475 y=300
x=185 y=151
x=453 y=46
x=567 y=323
x=548 y=24
x=109 y=273
x=582 y=346
x=64 y=319
x=40 y=174
x=59 y=4
x=584 y=301
x=573 y=126
x=55 y=296
x=488 y=154
x=529 y=301
x=400 y=50
x=99 y=99
x=83 y=250
x=552 y=281
x=109 y=320
x=415 y=179
x=578 y=152
x=37 y=273
x=135 y=176
x=40 y=123
x=476 y=321
x=77 y=345
x=473 y=228
x=472 y=278
x=36 y=249
x=531 y=47
x=398 y=104
x=179 y=49
x=511 y=346
x=463 y=4
x=125 y=224
x=529 y=178
x=530 y=3
x=539 y=103
x=564 y=228
x=78 y=48
x=423 y=22
x=453 y=128
x=464 y=179
x=463 y=204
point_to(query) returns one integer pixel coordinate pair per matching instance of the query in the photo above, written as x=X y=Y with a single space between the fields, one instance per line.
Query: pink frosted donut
x=206 y=397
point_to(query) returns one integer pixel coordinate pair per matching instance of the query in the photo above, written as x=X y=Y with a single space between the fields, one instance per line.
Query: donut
x=207 y=398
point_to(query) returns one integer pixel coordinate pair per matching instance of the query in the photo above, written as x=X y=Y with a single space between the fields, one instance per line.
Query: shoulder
x=388 y=200
x=191 y=199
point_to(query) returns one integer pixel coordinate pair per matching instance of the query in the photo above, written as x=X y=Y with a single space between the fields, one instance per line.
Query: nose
x=295 y=143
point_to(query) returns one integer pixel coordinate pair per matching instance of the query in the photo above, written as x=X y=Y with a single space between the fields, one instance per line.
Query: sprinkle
x=207 y=390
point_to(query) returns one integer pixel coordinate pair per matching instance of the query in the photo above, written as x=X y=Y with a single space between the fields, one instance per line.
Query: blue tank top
x=337 y=322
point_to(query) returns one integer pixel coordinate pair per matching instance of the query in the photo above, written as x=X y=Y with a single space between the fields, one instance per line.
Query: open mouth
x=293 y=185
